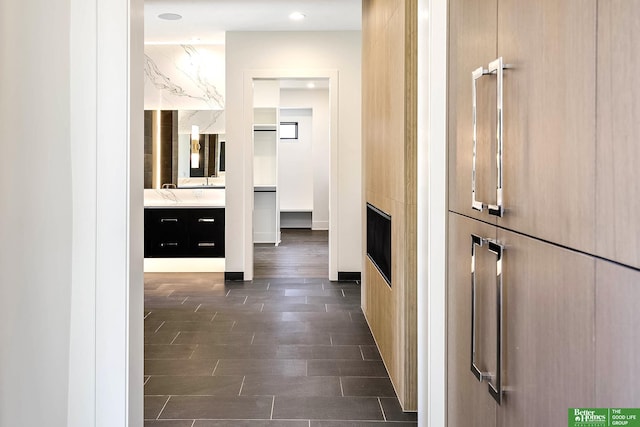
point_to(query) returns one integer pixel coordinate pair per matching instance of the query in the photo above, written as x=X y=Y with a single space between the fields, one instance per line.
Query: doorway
x=291 y=164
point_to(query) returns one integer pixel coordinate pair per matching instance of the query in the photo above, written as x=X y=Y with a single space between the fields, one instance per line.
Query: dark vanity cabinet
x=184 y=232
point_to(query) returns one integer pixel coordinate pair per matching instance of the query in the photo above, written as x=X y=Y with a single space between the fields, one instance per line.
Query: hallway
x=293 y=351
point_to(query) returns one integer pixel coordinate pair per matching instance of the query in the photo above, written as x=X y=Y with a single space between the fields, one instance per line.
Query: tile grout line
x=341 y=388
x=175 y=338
x=361 y=352
x=242 y=385
x=273 y=403
x=158 y=328
x=215 y=367
x=163 y=406
x=382 y=409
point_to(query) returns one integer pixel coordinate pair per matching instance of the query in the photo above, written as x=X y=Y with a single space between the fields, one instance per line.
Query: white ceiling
x=207 y=20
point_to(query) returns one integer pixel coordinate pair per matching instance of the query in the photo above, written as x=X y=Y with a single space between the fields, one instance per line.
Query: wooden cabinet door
x=469 y=404
x=472 y=44
x=549 y=119
x=548 y=329
x=617 y=336
x=618 y=191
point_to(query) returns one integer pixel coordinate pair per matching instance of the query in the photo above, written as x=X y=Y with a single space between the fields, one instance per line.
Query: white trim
x=432 y=211
x=289 y=73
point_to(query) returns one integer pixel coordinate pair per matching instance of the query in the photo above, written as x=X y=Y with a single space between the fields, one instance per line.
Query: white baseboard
x=320 y=225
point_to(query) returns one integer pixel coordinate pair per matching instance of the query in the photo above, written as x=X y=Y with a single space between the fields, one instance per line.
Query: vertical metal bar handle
x=479 y=242
x=475 y=75
x=495 y=385
x=497 y=67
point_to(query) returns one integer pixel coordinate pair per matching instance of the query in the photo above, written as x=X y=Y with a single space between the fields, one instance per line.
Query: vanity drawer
x=184 y=232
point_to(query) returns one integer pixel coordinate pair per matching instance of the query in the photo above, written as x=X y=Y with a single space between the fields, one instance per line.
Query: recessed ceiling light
x=297 y=16
x=311 y=85
x=170 y=16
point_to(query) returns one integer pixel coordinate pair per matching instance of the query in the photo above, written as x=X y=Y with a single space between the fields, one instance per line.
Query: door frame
x=247 y=109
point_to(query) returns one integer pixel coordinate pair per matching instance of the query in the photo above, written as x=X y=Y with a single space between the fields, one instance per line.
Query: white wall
x=295 y=164
x=294 y=50
x=70 y=226
x=35 y=213
x=318 y=101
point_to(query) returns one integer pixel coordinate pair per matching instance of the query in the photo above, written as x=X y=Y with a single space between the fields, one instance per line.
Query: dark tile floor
x=289 y=352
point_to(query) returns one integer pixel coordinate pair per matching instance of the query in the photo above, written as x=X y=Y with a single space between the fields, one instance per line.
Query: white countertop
x=184 y=198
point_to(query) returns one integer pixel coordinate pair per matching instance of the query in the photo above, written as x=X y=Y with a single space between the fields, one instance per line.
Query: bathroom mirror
x=168 y=149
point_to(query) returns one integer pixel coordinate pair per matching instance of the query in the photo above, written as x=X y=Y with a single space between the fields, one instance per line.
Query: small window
x=288 y=130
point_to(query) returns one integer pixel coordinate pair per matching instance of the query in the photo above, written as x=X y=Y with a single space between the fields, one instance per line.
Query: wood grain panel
x=390 y=181
x=549 y=119
x=617 y=336
x=472 y=44
x=468 y=401
x=549 y=354
x=618 y=123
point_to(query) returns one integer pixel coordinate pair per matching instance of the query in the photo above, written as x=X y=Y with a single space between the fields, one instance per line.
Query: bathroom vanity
x=184 y=223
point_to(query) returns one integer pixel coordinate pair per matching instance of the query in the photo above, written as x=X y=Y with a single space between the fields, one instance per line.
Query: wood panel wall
x=389 y=127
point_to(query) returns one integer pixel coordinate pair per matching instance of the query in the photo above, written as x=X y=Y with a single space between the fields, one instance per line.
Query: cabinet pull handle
x=495 y=67
x=167 y=244
x=206 y=220
x=168 y=219
x=495 y=386
x=481 y=376
x=206 y=244
x=494 y=381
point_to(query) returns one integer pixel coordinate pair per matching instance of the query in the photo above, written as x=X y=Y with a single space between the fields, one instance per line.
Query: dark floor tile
x=306 y=338
x=250 y=423
x=337 y=326
x=218 y=407
x=295 y=307
x=362 y=424
x=291 y=386
x=233 y=308
x=361 y=337
x=158 y=351
x=188 y=337
x=318 y=352
x=313 y=293
x=370 y=352
x=168 y=423
x=173 y=325
x=315 y=317
x=160 y=337
x=179 y=367
x=297 y=285
x=393 y=410
x=367 y=387
x=153 y=405
x=212 y=300
x=328 y=408
x=270 y=326
x=347 y=368
x=194 y=385
x=242 y=316
x=167 y=302
x=261 y=367
x=214 y=351
x=256 y=292
x=350 y=300
x=164 y=314
x=278 y=299
x=344 y=307
x=358 y=318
